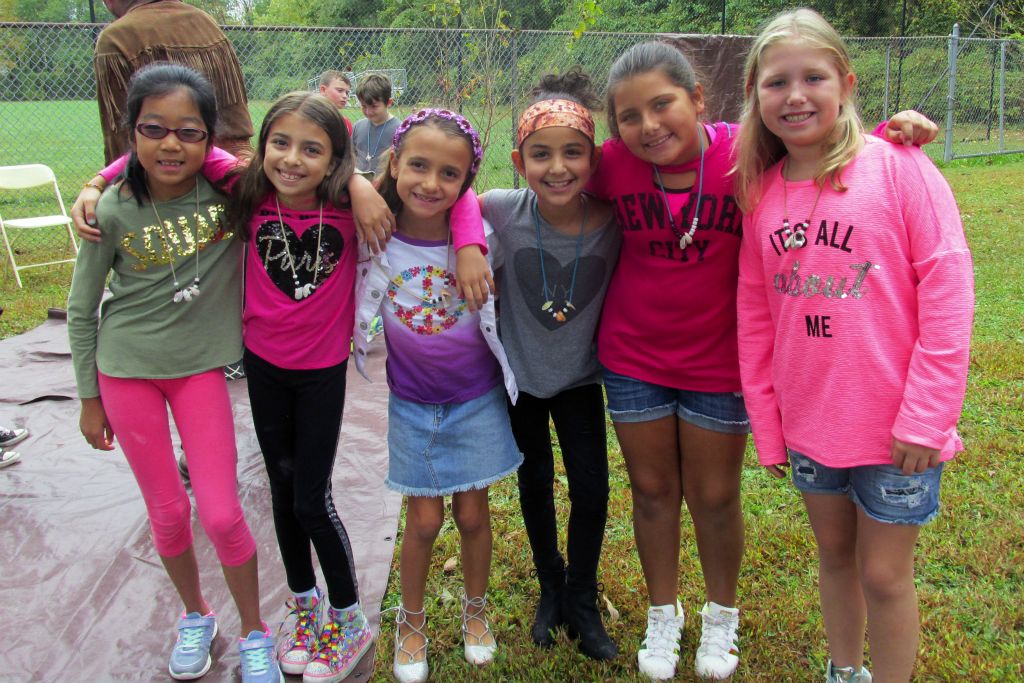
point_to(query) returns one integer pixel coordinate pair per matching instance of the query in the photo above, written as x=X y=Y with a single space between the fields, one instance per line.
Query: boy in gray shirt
x=372 y=136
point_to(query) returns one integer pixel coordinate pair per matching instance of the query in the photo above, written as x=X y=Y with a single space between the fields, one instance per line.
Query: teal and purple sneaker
x=190 y=657
x=259 y=658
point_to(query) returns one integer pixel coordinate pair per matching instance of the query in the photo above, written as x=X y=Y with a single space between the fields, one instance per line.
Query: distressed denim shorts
x=882 y=491
x=634 y=400
x=437 y=449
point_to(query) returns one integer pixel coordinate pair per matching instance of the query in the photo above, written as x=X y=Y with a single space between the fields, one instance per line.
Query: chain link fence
x=974 y=88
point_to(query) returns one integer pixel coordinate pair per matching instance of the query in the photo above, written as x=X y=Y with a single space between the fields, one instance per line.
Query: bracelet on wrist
x=94 y=185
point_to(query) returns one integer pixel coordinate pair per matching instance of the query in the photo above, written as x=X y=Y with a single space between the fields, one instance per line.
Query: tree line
x=1004 y=18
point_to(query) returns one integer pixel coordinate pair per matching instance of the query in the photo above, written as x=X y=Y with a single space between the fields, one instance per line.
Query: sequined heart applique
x=274 y=256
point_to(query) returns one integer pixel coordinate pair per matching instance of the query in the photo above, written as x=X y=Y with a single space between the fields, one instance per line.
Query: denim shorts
x=882 y=491
x=633 y=400
x=437 y=449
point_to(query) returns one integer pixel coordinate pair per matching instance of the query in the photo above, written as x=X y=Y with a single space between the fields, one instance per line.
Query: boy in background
x=372 y=135
x=336 y=86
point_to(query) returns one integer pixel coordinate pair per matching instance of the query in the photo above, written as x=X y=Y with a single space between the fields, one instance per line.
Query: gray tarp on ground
x=83 y=596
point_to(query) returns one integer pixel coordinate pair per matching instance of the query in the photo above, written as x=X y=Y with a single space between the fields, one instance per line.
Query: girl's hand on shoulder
x=83 y=212
x=473 y=276
x=777 y=471
x=94 y=425
x=913 y=458
x=374 y=221
x=911 y=128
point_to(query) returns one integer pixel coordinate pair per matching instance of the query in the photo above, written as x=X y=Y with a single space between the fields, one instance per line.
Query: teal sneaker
x=190 y=657
x=259 y=659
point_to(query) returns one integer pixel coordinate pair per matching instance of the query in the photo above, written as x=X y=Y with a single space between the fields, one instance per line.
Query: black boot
x=549 y=609
x=584 y=622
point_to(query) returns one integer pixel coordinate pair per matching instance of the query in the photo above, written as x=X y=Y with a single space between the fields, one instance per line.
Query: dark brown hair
x=374 y=88
x=644 y=58
x=253 y=185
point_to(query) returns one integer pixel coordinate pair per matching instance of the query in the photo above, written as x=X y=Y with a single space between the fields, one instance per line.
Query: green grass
x=970 y=564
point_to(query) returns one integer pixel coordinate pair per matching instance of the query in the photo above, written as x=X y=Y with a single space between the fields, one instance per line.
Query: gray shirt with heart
x=549 y=343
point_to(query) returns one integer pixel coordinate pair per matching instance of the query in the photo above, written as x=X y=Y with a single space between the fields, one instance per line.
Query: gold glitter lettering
x=182 y=239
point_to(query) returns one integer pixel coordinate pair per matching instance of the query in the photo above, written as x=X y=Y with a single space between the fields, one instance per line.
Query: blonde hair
x=759 y=148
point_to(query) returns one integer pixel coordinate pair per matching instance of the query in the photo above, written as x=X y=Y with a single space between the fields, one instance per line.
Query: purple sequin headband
x=424 y=114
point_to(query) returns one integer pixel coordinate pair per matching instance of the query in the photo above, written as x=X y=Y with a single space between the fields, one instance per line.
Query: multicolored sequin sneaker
x=297 y=650
x=344 y=639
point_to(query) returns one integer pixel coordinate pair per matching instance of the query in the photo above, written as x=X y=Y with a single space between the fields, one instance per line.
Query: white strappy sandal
x=480 y=653
x=414 y=671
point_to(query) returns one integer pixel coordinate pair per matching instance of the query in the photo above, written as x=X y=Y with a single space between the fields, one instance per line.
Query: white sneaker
x=659 y=653
x=719 y=652
x=846 y=674
x=8 y=458
x=10 y=437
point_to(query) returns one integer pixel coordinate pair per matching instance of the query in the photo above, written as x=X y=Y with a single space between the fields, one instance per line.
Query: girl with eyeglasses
x=291 y=206
x=172 y=322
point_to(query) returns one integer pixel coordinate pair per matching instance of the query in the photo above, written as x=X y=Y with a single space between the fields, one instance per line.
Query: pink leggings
x=137 y=412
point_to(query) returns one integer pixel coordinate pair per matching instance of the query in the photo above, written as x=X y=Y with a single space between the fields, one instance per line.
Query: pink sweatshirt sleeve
x=756 y=332
x=467 y=222
x=937 y=375
x=216 y=165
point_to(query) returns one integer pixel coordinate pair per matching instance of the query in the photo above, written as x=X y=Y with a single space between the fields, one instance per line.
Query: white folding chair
x=21 y=178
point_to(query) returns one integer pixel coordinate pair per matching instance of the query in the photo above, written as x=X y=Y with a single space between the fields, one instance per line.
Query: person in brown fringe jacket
x=146 y=31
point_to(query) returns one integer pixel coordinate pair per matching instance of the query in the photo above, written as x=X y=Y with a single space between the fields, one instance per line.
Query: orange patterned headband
x=548 y=113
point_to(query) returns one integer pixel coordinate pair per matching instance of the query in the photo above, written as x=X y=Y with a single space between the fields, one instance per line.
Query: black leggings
x=578 y=415
x=297 y=416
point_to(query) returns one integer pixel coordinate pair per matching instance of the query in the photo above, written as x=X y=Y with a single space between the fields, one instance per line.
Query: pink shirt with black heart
x=300 y=333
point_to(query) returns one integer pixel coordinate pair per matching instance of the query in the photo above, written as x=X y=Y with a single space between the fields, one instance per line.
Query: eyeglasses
x=154 y=131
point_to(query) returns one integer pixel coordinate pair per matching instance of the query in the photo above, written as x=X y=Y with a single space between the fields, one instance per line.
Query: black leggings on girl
x=578 y=415
x=297 y=416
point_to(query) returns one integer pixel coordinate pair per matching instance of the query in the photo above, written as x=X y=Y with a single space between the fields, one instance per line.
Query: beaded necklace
x=558 y=312
x=180 y=293
x=301 y=291
x=795 y=237
x=370 y=153
x=685 y=238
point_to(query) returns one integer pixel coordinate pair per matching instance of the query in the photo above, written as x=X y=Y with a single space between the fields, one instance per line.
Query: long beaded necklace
x=685 y=238
x=372 y=153
x=180 y=293
x=795 y=237
x=301 y=291
x=558 y=312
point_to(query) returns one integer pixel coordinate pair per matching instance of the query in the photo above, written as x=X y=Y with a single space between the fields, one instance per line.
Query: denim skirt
x=437 y=449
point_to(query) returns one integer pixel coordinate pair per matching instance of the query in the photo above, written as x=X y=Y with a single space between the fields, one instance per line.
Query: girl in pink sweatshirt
x=855 y=306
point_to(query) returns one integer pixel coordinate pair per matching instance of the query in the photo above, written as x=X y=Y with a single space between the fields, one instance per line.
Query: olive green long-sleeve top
x=139 y=331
